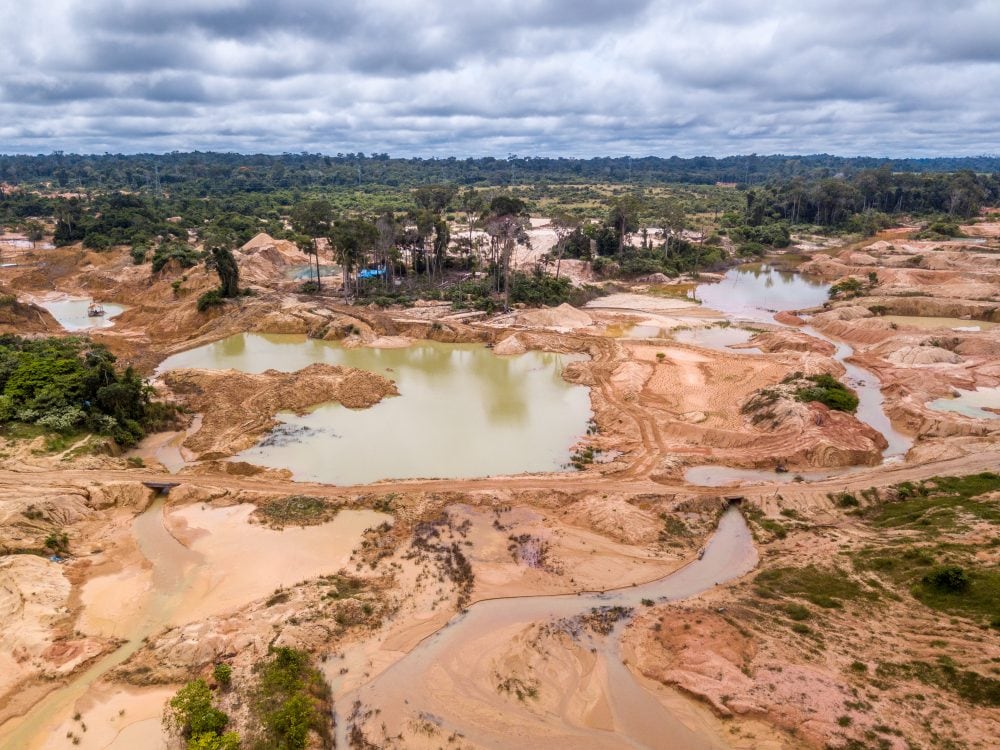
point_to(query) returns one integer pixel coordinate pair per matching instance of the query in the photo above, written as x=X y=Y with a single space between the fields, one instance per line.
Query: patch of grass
x=939 y=504
x=299 y=510
x=979 y=596
x=824 y=587
x=970 y=686
x=797 y=611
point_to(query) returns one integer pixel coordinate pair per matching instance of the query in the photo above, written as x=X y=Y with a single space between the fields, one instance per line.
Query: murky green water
x=756 y=291
x=71 y=314
x=973 y=404
x=462 y=411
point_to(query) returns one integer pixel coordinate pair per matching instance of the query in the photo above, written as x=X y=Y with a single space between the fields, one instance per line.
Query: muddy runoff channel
x=444 y=679
x=184 y=583
x=755 y=293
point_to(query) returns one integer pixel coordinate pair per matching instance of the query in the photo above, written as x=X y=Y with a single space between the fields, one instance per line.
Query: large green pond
x=462 y=411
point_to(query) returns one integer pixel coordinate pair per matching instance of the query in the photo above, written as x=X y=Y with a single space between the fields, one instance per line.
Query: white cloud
x=573 y=77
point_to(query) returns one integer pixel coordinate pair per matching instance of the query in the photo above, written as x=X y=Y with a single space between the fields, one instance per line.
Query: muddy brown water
x=406 y=689
x=462 y=412
x=185 y=584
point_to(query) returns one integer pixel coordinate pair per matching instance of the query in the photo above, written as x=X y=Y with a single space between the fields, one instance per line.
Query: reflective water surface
x=462 y=411
x=758 y=290
x=975 y=404
x=71 y=313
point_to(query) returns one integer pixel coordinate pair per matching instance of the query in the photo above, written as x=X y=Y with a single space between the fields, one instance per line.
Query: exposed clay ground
x=659 y=406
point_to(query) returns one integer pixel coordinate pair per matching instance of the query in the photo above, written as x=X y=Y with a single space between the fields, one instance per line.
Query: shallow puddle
x=710 y=475
x=71 y=313
x=975 y=404
x=462 y=411
x=719 y=338
x=929 y=323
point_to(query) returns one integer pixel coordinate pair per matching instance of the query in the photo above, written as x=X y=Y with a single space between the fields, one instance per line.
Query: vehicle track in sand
x=879 y=476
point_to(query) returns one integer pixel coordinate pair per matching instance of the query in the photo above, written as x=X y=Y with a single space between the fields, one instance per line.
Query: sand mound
x=616 y=518
x=510 y=345
x=849 y=312
x=794 y=341
x=24 y=317
x=918 y=356
x=238 y=406
x=264 y=258
x=565 y=317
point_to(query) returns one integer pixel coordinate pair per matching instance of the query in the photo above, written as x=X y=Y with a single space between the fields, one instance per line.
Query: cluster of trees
x=202 y=174
x=857 y=201
x=288 y=701
x=417 y=243
x=70 y=384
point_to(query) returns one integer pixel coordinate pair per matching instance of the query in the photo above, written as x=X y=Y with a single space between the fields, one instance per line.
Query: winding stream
x=758 y=291
x=187 y=584
x=168 y=580
x=433 y=677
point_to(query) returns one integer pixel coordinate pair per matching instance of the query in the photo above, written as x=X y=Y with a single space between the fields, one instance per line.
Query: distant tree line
x=203 y=174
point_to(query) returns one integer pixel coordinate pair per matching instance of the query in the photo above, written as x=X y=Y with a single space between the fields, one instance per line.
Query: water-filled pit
x=71 y=313
x=462 y=411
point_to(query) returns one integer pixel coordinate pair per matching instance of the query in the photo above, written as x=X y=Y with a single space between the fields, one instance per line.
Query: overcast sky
x=490 y=77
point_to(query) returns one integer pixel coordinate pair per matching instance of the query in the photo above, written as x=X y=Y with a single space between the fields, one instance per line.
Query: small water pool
x=932 y=323
x=975 y=404
x=758 y=290
x=71 y=313
x=719 y=338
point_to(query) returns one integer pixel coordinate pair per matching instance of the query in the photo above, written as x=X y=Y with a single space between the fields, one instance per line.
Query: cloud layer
x=480 y=77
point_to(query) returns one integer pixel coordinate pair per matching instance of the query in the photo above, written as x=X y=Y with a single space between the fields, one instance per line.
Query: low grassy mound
x=828 y=391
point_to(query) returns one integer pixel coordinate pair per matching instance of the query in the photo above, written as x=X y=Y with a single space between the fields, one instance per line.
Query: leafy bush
x=192 y=714
x=63 y=384
x=213 y=741
x=829 y=391
x=850 y=287
x=183 y=253
x=949 y=578
x=290 y=699
x=211 y=298
x=138 y=255
x=223 y=674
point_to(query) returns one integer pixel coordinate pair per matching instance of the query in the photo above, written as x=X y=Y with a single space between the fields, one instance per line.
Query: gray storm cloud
x=570 y=77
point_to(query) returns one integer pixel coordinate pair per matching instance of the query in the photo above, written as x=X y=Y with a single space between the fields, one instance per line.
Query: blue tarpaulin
x=371 y=273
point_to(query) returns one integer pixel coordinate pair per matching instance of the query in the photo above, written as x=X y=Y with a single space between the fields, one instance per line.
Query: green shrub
x=183 y=253
x=948 y=578
x=211 y=298
x=223 y=674
x=191 y=712
x=213 y=741
x=829 y=391
x=138 y=255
